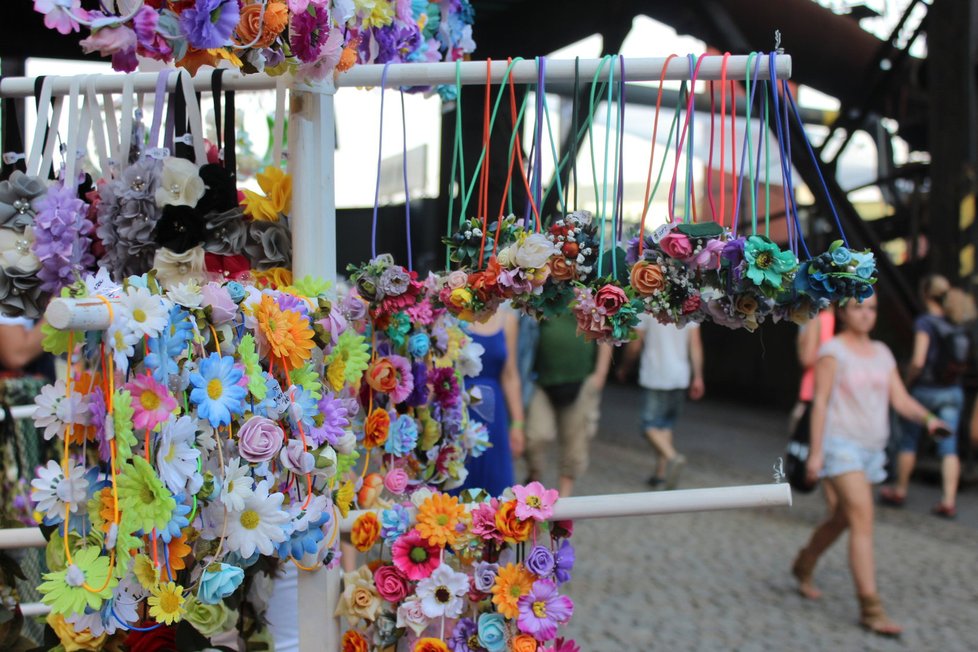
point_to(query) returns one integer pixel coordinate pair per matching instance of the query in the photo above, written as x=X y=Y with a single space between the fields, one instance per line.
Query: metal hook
x=777 y=42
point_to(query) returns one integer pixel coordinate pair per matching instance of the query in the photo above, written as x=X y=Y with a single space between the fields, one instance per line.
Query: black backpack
x=953 y=348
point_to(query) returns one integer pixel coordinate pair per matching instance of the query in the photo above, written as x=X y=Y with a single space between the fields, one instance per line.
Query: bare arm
x=696 y=387
x=19 y=345
x=921 y=342
x=825 y=369
x=808 y=339
x=907 y=406
x=510 y=382
x=601 y=366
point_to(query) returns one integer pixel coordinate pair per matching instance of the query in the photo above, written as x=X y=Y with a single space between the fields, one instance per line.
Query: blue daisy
x=216 y=392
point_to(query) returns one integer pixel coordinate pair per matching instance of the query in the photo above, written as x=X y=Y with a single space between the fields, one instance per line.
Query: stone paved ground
x=720 y=581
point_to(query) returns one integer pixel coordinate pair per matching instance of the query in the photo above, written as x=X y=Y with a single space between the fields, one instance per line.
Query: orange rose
x=513 y=529
x=430 y=645
x=365 y=531
x=561 y=270
x=252 y=22
x=382 y=376
x=354 y=641
x=523 y=643
x=646 y=278
x=375 y=428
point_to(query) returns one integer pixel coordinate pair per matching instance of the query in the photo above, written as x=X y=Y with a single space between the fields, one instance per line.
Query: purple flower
x=564 y=562
x=403 y=436
x=395 y=42
x=293 y=303
x=61 y=237
x=259 y=439
x=335 y=420
x=484 y=575
x=543 y=609
x=96 y=408
x=733 y=251
x=308 y=33
x=419 y=394
x=465 y=633
x=540 y=561
x=445 y=387
x=208 y=24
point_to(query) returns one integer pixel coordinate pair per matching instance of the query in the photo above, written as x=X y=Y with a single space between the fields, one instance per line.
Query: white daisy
x=122 y=342
x=259 y=526
x=177 y=458
x=55 y=410
x=51 y=492
x=441 y=592
x=145 y=313
x=237 y=485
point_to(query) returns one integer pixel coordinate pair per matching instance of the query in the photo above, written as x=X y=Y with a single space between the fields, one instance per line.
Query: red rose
x=160 y=639
x=691 y=304
x=391 y=583
x=611 y=298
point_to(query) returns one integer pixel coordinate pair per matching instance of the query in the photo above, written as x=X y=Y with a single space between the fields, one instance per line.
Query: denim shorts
x=844 y=456
x=946 y=403
x=662 y=408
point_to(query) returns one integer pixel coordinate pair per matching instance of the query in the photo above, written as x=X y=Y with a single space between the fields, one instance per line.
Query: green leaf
x=701 y=229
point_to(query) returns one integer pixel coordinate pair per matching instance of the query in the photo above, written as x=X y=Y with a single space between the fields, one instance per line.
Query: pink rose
x=217 y=298
x=676 y=245
x=259 y=439
x=396 y=481
x=391 y=583
x=295 y=458
x=109 y=40
x=610 y=298
x=457 y=279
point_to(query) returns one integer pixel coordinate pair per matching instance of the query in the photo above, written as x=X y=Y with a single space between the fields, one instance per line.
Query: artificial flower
x=540 y=561
x=376 y=428
x=208 y=619
x=410 y=615
x=84 y=583
x=71 y=639
x=523 y=643
x=260 y=439
x=365 y=531
x=176 y=457
x=288 y=335
x=208 y=24
x=277 y=200
x=354 y=641
x=402 y=436
x=414 y=556
x=174 y=268
x=58 y=411
x=534 y=501
x=259 y=524
x=166 y=603
x=218 y=582
x=177 y=551
x=513 y=581
x=441 y=592
x=766 y=263
x=142 y=312
x=145 y=503
x=216 y=392
x=438 y=518
x=152 y=404
x=60 y=15
x=564 y=561
x=511 y=527
x=542 y=610
x=392 y=585
x=261 y=23
x=430 y=645
x=676 y=245
x=492 y=631
x=360 y=598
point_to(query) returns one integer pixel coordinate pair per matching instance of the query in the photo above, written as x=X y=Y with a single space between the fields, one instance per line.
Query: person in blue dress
x=501 y=404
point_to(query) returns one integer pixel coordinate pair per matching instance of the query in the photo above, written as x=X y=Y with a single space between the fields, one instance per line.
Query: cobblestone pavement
x=720 y=580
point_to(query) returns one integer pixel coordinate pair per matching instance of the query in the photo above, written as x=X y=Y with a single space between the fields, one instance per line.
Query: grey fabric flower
x=16 y=195
x=127 y=218
x=226 y=232
x=20 y=293
x=269 y=244
x=394 y=281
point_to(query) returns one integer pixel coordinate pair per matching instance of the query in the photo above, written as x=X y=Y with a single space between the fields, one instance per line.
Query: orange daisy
x=106 y=508
x=288 y=335
x=513 y=581
x=177 y=551
x=439 y=518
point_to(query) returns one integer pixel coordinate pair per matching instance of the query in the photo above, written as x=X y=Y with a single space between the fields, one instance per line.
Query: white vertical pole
x=312 y=141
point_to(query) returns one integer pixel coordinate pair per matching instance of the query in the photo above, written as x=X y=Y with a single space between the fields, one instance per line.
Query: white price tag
x=661 y=232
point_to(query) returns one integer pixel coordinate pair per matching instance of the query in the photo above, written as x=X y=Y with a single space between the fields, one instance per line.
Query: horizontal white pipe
x=657 y=502
x=19 y=412
x=31 y=609
x=21 y=537
x=429 y=74
x=78 y=314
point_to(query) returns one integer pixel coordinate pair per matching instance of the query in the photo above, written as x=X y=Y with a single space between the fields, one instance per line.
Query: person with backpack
x=940 y=356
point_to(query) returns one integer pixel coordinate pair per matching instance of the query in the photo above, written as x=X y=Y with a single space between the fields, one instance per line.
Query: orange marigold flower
x=365 y=531
x=439 y=518
x=288 y=334
x=354 y=641
x=269 y=25
x=430 y=645
x=375 y=428
x=513 y=529
x=513 y=581
x=382 y=376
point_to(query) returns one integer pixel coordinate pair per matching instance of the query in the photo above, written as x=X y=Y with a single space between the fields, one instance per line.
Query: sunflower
x=287 y=332
x=143 y=499
x=166 y=603
x=438 y=519
x=513 y=581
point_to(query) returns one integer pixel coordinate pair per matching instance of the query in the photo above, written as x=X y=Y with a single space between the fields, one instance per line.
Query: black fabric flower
x=221 y=194
x=179 y=229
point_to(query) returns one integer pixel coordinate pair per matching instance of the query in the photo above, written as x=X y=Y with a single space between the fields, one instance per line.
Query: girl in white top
x=856 y=382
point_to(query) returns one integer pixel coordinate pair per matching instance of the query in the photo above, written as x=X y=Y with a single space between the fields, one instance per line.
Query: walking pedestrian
x=566 y=403
x=670 y=367
x=856 y=383
x=940 y=356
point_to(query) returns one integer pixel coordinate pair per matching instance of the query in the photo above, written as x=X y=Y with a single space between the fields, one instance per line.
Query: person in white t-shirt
x=670 y=367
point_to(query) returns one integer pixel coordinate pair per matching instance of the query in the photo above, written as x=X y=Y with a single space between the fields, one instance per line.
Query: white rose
x=534 y=252
x=16 y=250
x=345 y=444
x=505 y=256
x=180 y=184
x=173 y=268
x=421 y=495
x=410 y=614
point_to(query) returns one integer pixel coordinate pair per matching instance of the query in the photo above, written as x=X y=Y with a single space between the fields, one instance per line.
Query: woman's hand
x=814 y=466
x=517 y=440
